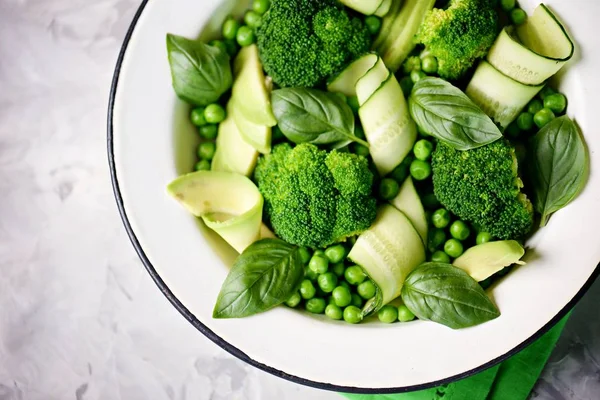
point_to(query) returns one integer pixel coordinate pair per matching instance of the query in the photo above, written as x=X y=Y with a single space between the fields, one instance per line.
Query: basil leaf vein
x=445 y=112
x=265 y=275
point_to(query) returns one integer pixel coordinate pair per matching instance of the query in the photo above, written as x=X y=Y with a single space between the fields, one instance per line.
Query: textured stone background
x=79 y=317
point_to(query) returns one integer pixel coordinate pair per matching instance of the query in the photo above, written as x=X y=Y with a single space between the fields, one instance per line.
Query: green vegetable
x=518 y=16
x=368 y=7
x=430 y=65
x=453 y=247
x=525 y=121
x=556 y=102
x=252 y=19
x=318 y=264
x=545 y=92
x=410 y=204
x=305 y=255
x=333 y=312
x=354 y=275
x=313 y=116
x=261 y=6
x=327 y=282
x=219 y=44
x=558 y=166
x=484 y=260
x=200 y=73
x=315 y=305
x=366 y=290
x=265 y=275
x=443 y=111
x=459 y=35
x=307 y=289
x=373 y=24
x=352 y=314
x=441 y=257
x=202 y=165
x=197 y=116
x=482 y=186
x=303 y=42
x=214 y=114
x=447 y=295
x=233 y=153
x=339 y=269
x=245 y=36
x=508 y=5
x=543 y=117
x=314 y=198
x=411 y=64
x=420 y=170
x=336 y=253
x=459 y=230
x=388 y=189
x=206 y=150
x=404 y=314
x=345 y=82
x=294 y=301
x=388 y=314
x=423 y=149
x=341 y=296
x=440 y=218
x=483 y=237
x=230 y=28
x=416 y=76
x=534 y=106
x=209 y=132
x=437 y=237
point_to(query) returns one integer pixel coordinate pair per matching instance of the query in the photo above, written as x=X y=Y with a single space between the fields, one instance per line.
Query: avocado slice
x=409 y=202
x=249 y=91
x=228 y=203
x=484 y=260
x=258 y=136
x=233 y=153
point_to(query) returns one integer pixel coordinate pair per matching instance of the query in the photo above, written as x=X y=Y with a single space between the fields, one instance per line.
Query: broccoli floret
x=313 y=197
x=459 y=35
x=303 y=42
x=482 y=186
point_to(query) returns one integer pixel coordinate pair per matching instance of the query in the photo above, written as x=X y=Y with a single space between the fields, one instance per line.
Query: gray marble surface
x=79 y=316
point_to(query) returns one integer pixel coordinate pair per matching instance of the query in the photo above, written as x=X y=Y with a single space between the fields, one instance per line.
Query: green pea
x=352 y=315
x=352 y=101
x=441 y=218
x=252 y=19
x=333 y=312
x=327 y=282
x=261 y=6
x=388 y=314
x=423 y=149
x=518 y=16
x=430 y=64
x=453 y=247
x=404 y=314
x=197 y=116
x=373 y=24
x=534 y=106
x=318 y=264
x=294 y=300
x=206 y=150
x=304 y=255
x=556 y=102
x=245 y=36
x=230 y=28
x=209 y=132
x=315 y=305
x=203 y=165
x=543 y=117
x=344 y=284
x=357 y=301
x=307 y=289
x=338 y=269
x=367 y=289
x=407 y=85
x=354 y=275
x=513 y=130
x=508 y=5
x=437 y=237
x=232 y=47
x=430 y=201
x=219 y=44
x=416 y=76
x=336 y=253
x=441 y=257
x=310 y=274
x=214 y=114
x=341 y=296
x=388 y=189
x=525 y=121
x=330 y=300
x=460 y=230
x=483 y=237
x=420 y=170
x=361 y=150
x=319 y=252
x=546 y=91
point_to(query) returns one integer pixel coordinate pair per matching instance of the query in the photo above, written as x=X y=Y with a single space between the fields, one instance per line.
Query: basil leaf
x=447 y=295
x=313 y=116
x=558 y=166
x=200 y=73
x=265 y=275
x=445 y=112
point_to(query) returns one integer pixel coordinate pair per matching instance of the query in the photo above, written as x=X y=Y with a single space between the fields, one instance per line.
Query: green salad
x=382 y=158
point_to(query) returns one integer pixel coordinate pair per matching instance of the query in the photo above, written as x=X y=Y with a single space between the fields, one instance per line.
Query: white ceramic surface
x=149 y=130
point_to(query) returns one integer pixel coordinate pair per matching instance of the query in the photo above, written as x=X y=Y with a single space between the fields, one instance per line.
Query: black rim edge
x=234 y=350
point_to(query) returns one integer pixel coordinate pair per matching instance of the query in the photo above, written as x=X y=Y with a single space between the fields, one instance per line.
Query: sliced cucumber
x=366 y=7
x=258 y=136
x=389 y=129
x=499 y=96
x=409 y=202
x=346 y=81
x=389 y=251
x=394 y=44
x=249 y=90
x=484 y=260
x=229 y=203
x=384 y=8
x=368 y=84
x=534 y=51
x=233 y=153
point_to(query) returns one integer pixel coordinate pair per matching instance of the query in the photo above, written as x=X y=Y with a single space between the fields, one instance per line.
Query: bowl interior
x=153 y=142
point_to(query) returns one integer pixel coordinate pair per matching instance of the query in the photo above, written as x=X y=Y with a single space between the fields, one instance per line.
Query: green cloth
x=513 y=379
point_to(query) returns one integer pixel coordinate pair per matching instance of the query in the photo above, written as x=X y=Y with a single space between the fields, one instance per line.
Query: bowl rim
x=239 y=353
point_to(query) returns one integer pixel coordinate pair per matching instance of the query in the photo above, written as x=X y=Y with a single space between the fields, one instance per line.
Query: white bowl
x=150 y=142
